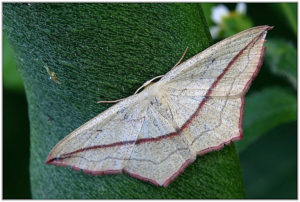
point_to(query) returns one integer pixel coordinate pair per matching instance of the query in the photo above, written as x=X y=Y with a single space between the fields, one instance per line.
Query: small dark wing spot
x=178 y=131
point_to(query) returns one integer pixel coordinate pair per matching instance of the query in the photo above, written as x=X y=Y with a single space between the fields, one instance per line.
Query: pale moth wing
x=195 y=108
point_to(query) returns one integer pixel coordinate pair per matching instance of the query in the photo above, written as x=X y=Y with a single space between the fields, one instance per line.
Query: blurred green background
x=268 y=151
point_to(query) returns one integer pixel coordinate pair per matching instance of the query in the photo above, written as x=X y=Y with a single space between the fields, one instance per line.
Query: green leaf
x=11 y=78
x=265 y=110
x=207 y=7
x=282 y=58
x=270 y=165
x=234 y=23
x=288 y=13
x=106 y=51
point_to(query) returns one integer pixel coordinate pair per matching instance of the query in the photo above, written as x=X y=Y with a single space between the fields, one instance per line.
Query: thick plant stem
x=105 y=52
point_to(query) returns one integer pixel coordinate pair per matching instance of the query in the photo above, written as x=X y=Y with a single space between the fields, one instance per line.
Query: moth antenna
x=179 y=61
x=148 y=82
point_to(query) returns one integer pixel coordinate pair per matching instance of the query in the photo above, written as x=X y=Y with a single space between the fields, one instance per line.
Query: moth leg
x=147 y=83
x=110 y=101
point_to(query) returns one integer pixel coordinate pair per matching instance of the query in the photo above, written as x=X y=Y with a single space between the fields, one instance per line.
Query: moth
x=195 y=108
